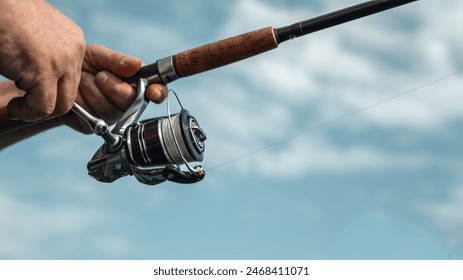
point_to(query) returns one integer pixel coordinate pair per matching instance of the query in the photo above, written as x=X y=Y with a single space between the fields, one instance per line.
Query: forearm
x=11 y=131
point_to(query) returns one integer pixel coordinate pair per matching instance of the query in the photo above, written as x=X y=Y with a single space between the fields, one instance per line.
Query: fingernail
x=155 y=96
x=101 y=77
x=128 y=60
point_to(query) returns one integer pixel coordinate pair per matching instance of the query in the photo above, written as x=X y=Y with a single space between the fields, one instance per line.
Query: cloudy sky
x=344 y=144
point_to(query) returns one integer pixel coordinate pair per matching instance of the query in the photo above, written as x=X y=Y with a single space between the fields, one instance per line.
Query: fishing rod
x=233 y=49
x=154 y=150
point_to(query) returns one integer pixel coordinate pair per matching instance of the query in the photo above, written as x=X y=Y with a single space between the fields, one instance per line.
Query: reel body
x=152 y=150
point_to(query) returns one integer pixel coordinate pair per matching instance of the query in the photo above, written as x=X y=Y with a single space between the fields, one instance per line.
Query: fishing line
x=171 y=129
x=333 y=121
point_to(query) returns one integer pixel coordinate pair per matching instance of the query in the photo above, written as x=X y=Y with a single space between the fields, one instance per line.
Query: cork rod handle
x=223 y=52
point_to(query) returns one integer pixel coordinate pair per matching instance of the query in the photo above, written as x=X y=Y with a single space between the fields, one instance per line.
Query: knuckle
x=79 y=39
x=62 y=109
x=41 y=113
x=25 y=80
x=97 y=47
x=75 y=50
x=46 y=112
x=81 y=46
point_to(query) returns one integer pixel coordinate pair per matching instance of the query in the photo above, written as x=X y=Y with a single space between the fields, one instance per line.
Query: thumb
x=127 y=66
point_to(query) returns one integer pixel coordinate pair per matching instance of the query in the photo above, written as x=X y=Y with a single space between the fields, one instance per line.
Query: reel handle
x=99 y=127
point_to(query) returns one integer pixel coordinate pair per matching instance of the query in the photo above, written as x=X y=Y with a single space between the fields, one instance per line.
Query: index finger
x=99 y=58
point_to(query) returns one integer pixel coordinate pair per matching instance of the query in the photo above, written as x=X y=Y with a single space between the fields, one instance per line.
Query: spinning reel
x=152 y=150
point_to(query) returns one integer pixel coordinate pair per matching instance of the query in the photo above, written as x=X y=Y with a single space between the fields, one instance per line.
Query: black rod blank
x=335 y=18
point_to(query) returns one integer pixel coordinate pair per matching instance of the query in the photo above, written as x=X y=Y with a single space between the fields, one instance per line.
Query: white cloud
x=68 y=146
x=248 y=15
x=141 y=37
x=449 y=213
x=306 y=155
x=446 y=215
x=27 y=226
x=327 y=69
x=113 y=245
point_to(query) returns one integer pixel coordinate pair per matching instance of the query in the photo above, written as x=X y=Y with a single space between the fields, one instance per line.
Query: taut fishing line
x=333 y=121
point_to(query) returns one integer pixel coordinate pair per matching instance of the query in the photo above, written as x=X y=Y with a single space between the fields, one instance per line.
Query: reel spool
x=153 y=150
x=168 y=142
x=153 y=142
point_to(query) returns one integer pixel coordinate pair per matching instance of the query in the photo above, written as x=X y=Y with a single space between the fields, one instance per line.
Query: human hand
x=42 y=50
x=102 y=93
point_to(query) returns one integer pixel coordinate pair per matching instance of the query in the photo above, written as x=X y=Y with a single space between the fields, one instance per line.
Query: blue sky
x=300 y=164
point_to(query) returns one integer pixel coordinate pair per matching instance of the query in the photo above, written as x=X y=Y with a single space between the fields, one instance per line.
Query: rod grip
x=16 y=127
x=5 y=122
x=144 y=72
x=223 y=52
